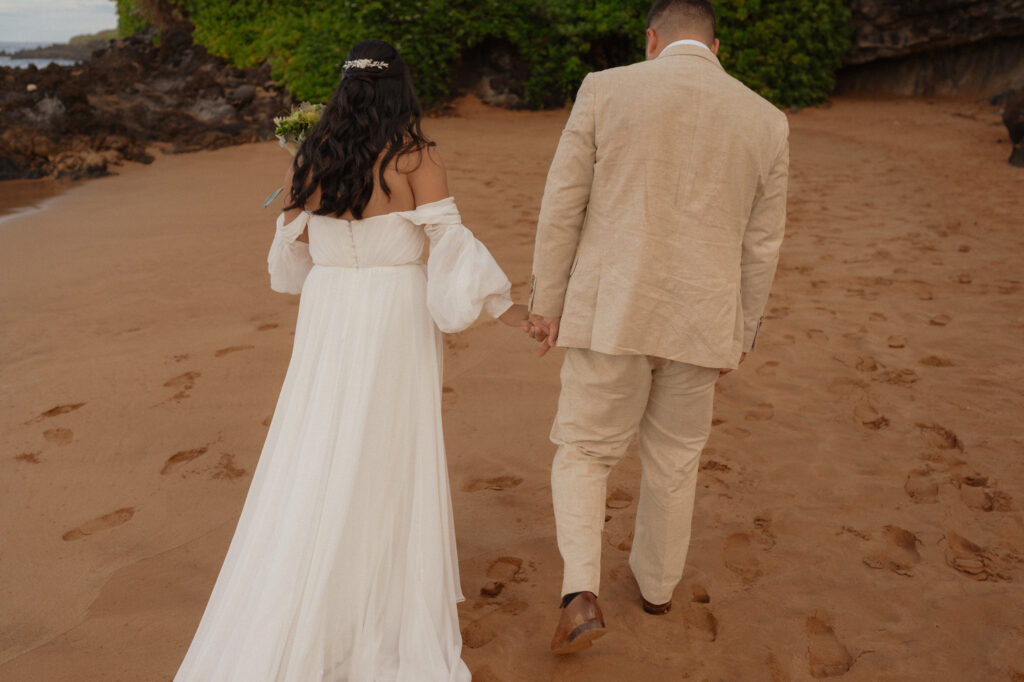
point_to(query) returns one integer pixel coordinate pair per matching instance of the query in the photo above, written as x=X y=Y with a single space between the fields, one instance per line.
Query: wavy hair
x=373 y=115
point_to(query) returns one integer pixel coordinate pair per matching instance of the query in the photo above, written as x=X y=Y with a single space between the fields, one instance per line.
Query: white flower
x=364 y=64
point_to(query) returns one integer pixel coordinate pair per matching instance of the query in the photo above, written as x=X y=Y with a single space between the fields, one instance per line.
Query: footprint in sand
x=226 y=469
x=29 y=457
x=866 y=364
x=768 y=369
x=870 y=418
x=762 y=413
x=964 y=278
x=175 y=461
x=922 y=486
x=267 y=327
x=59 y=436
x=897 y=553
x=940 y=320
x=936 y=361
x=184 y=383
x=497 y=483
x=484 y=630
x=448 y=397
x=56 y=411
x=974 y=561
x=266 y=422
x=741 y=558
x=105 y=522
x=878 y=317
x=231 y=349
x=899 y=377
x=827 y=656
x=844 y=386
x=977 y=493
x=618 y=499
x=940 y=437
x=817 y=336
x=701 y=622
x=454 y=343
x=897 y=342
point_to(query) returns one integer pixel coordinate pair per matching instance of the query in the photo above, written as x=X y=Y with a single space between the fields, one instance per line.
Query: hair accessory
x=364 y=64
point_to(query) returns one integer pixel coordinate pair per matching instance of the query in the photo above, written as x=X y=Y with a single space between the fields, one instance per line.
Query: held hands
x=542 y=329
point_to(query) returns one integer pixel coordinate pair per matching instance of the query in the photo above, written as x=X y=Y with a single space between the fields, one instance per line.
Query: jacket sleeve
x=761 y=243
x=564 y=205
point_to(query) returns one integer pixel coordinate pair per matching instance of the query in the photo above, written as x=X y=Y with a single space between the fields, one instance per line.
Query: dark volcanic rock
x=1013 y=117
x=935 y=47
x=80 y=120
x=887 y=28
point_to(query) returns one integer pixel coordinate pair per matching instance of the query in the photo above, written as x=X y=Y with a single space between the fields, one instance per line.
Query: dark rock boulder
x=81 y=120
x=929 y=47
x=1013 y=117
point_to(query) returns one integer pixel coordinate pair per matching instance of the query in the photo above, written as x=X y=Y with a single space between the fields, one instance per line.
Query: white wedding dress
x=343 y=565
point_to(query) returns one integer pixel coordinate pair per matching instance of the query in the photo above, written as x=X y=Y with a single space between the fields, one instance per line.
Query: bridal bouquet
x=293 y=128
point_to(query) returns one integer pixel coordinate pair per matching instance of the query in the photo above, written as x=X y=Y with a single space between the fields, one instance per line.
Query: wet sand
x=859 y=513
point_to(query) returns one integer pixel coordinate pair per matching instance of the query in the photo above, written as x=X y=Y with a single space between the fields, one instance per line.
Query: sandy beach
x=860 y=508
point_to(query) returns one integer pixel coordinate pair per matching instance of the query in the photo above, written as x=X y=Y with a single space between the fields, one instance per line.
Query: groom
x=657 y=243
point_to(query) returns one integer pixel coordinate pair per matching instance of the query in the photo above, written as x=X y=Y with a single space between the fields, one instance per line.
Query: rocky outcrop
x=935 y=47
x=1013 y=117
x=79 y=120
x=886 y=28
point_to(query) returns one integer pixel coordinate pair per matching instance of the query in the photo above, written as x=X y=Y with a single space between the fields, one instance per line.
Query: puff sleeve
x=289 y=261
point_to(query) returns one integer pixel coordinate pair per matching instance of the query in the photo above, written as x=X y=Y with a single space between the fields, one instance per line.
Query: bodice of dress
x=381 y=241
x=462 y=277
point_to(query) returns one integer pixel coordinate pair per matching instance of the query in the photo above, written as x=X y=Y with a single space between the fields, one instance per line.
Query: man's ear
x=653 y=41
x=714 y=46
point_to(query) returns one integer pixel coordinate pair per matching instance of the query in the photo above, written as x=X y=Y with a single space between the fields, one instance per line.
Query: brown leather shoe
x=657 y=609
x=581 y=623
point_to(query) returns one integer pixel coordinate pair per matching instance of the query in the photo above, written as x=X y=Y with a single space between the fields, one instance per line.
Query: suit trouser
x=605 y=399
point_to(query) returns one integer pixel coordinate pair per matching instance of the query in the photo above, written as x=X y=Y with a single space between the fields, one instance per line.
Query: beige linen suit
x=657 y=243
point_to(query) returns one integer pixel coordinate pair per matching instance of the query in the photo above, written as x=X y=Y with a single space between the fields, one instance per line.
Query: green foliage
x=87 y=38
x=130 y=19
x=787 y=50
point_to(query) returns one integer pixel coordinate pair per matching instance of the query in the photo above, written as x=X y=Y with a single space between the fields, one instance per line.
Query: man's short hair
x=680 y=15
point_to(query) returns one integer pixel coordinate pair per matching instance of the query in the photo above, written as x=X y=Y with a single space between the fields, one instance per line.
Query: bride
x=343 y=565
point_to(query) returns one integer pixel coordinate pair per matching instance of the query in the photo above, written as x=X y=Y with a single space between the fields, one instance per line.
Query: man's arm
x=564 y=206
x=761 y=244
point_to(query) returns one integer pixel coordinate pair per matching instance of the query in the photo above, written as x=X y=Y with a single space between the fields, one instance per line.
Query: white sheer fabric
x=343 y=564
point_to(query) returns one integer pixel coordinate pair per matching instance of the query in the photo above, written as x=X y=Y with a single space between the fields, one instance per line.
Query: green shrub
x=788 y=50
x=130 y=19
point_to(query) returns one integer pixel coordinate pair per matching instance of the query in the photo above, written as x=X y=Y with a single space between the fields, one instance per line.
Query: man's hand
x=723 y=372
x=547 y=332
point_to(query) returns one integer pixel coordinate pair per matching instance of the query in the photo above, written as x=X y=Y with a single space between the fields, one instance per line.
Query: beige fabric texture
x=605 y=400
x=664 y=212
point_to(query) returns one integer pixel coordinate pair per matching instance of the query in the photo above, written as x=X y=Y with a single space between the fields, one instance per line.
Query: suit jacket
x=664 y=211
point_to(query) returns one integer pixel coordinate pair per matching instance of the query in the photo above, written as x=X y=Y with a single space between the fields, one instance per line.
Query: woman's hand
x=517 y=316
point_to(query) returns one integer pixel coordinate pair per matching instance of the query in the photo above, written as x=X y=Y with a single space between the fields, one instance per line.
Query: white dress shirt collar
x=685 y=42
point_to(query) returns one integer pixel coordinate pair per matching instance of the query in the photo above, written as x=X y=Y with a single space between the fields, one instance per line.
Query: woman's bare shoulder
x=426 y=173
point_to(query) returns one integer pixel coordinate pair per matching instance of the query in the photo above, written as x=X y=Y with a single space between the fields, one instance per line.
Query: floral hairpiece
x=364 y=64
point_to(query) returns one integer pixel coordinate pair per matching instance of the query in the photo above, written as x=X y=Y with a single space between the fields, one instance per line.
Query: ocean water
x=22 y=63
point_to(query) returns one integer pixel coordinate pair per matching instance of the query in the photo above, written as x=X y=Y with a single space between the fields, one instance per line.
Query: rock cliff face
x=929 y=47
x=1013 y=117
x=80 y=120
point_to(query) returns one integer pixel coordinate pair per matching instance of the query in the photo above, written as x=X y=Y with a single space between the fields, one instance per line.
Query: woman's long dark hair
x=373 y=115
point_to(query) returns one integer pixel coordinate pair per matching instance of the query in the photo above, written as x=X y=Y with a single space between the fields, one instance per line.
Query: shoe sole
x=657 y=611
x=581 y=638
